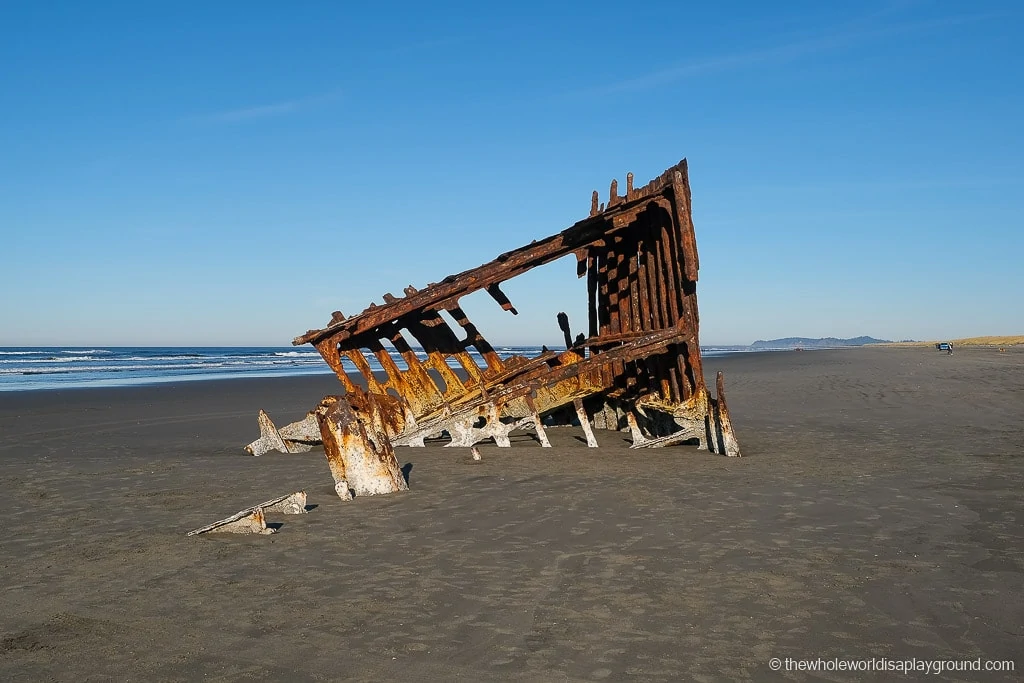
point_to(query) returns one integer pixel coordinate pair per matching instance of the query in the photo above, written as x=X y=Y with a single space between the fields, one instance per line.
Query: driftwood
x=637 y=367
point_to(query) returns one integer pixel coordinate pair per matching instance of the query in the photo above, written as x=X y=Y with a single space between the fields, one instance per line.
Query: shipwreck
x=637 y=367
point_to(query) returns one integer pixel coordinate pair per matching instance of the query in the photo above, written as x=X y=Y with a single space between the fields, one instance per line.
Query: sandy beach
x=878 y=512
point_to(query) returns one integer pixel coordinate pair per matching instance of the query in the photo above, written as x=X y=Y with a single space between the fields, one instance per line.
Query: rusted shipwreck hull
x=638 y=366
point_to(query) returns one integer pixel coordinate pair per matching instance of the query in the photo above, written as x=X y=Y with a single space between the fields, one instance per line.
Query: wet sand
x=878 y=513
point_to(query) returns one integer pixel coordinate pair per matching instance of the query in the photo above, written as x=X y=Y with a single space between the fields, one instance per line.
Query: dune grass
x=1007 y=340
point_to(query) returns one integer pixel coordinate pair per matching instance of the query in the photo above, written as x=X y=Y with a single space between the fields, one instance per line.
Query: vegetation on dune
x=1010 y=340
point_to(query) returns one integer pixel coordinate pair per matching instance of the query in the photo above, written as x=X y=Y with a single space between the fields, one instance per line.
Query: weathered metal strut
x=637 y=367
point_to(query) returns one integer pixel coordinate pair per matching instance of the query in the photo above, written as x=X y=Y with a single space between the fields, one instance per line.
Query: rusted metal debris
x=253 y=520
x=297 y=437
x=638 y=366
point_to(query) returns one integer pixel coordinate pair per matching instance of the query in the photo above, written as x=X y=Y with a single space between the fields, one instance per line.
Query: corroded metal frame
x=638 y=366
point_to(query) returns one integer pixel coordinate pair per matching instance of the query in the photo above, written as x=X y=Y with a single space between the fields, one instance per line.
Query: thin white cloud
x=777 y=54
x=418 y=46
x=266 y=111
x=284 y=108
x=258 y=112
x=895 y=184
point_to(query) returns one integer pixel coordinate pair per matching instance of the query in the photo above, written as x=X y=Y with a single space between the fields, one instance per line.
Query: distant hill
x=808 y=343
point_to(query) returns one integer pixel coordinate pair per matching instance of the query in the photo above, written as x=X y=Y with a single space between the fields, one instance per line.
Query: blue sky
x=230 y=173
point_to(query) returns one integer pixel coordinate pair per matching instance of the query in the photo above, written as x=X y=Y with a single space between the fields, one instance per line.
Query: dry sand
x=878 y=513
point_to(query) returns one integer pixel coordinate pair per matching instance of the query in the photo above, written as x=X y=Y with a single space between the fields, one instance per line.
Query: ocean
x=68 y=367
